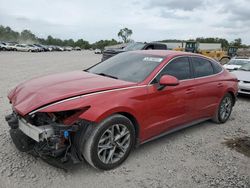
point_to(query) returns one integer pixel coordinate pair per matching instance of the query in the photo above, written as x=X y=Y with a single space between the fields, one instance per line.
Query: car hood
x=242 y=75
x=41 y=91
x=232 y=67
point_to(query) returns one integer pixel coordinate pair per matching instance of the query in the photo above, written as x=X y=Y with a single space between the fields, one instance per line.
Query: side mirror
x=167 y=80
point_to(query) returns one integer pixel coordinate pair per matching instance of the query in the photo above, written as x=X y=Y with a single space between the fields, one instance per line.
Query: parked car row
x=13 y=46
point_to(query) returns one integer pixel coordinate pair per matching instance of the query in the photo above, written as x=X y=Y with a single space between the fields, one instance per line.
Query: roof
x=164 y=52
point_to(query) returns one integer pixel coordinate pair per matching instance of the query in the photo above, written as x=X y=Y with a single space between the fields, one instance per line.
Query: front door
x=173 y=105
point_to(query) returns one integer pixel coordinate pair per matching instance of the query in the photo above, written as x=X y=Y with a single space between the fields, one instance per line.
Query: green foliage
x=26 y=36
x=124 y=34
x=171 y=40
x=102 y=43
x=237 y=43
x=7 y=34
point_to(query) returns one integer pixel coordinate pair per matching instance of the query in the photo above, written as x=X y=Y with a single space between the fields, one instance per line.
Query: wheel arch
x=97 y=115
x=233 y=96
x=135 y=124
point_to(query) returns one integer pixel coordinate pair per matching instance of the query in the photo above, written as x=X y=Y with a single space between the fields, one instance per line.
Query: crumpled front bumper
x=38 y=134
x=43 y=141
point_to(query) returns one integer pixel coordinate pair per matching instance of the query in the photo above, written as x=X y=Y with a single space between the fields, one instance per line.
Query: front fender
x=97 y=113
x=105 y=104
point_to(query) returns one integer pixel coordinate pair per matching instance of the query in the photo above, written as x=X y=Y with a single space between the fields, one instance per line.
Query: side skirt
x=174 y=130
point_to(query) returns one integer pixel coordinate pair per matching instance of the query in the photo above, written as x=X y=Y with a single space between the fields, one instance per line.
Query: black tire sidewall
x=104 y=126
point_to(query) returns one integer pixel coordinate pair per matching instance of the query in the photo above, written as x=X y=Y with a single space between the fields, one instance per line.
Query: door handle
x=220 y=85
x=189 y=91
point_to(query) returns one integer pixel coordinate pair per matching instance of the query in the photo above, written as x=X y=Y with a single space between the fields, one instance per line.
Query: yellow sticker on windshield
x=153 y=59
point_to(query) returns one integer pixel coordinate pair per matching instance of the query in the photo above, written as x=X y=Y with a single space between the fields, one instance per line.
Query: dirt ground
x=194 y=157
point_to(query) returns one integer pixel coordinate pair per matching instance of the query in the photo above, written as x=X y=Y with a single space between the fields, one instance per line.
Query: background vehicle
x=42 y=47
x=68 y=48
x=10 y=46
x=77 y=48
x=132 y=47
x=98 y=51
x=109 y=108
x=25 y=48
x=236 y=63
x=243 y=75
x=212 y=50
x=3 y=46
x=34 y=48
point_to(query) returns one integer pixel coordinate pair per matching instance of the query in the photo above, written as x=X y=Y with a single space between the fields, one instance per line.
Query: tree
x=27 y=35
x=82 y=44
x=124 y=34
x=237 y=43
x=102 y=43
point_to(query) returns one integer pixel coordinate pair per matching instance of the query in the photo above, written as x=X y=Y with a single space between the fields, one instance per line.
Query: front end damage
x=49 y=134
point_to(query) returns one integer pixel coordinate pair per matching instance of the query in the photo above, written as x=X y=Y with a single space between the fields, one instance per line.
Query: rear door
x=208 y=87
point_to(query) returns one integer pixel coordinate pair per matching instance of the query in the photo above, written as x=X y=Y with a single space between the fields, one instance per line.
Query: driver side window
x=179 y=68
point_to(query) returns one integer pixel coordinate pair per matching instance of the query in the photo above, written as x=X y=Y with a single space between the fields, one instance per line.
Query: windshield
x=245 y=67
x=128 y=66
x=238 y=62
x=134 y=46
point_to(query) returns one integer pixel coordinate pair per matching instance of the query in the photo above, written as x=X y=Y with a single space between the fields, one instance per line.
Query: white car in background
x=236 y=63
x=25 y=48
x=243 y=75
x=98 y=51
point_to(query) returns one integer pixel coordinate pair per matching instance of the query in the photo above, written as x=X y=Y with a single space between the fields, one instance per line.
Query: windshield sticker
x=153 y=59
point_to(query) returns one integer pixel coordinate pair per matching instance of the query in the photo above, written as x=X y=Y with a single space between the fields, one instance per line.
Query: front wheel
x=109 y=143
x=224 y=110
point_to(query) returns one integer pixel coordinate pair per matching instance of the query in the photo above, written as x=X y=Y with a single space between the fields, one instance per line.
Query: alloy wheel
x=114 y=144
x=225 y=108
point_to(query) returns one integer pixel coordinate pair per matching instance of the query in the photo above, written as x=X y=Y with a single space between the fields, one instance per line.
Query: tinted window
x=129 y=66
x=180 y=68
x=217 y=67
x=134 y=46
x=160 y=47
x=202 y=67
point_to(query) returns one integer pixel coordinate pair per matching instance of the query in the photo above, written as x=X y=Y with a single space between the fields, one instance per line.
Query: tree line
x=26 y=36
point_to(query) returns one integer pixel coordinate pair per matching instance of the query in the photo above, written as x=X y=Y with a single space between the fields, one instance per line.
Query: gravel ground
x=194 y=157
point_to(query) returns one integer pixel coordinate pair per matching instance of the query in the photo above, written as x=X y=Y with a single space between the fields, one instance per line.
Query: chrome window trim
x=189 y=56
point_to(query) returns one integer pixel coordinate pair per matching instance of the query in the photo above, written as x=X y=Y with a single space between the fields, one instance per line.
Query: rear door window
x=202 y=67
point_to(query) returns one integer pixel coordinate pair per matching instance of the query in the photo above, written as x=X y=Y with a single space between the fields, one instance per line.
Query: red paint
x=155 y=111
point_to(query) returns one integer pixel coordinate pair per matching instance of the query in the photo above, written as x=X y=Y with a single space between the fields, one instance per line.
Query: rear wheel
x=110 y=143
x=224 y=110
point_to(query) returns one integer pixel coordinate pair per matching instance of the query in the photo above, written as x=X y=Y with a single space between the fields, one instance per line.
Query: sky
x=150 y=20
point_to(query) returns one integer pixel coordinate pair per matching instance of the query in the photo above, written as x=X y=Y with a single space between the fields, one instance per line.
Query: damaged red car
x=101 y=113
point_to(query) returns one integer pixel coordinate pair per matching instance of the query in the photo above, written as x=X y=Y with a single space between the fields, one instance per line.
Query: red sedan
x=101 y=113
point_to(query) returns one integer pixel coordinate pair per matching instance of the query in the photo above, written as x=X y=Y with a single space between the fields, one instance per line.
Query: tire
x=222 y=109
x=224 y=60
x=101 y=150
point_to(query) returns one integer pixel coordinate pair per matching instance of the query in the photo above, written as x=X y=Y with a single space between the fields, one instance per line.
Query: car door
x=173 y=105
x=208 y=87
